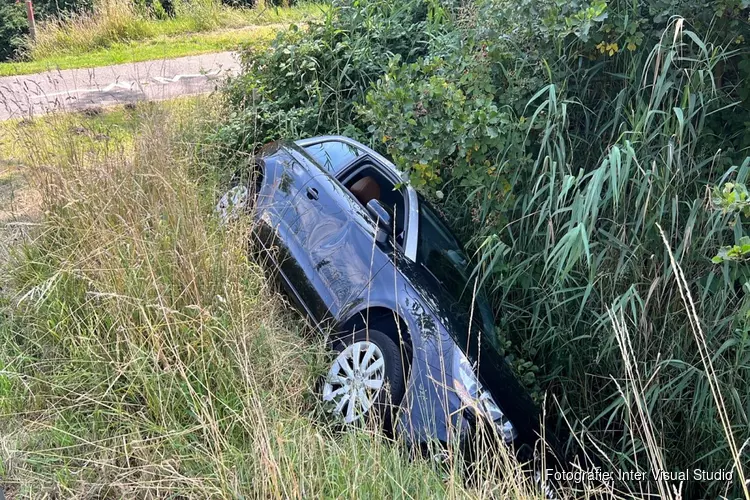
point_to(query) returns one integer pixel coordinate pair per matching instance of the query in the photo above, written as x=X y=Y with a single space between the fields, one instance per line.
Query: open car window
x=367 y=182
x=333 y=155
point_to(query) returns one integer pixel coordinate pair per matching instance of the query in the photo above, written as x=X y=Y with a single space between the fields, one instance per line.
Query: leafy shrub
x=308 y=81
x=13 y=28
x=159 y=9
x=440 y=115
x=733 y=199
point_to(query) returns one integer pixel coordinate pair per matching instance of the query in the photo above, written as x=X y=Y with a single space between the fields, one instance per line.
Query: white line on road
x=126 y=85
x=108 y=88
x=177 y=78
x=61 y=90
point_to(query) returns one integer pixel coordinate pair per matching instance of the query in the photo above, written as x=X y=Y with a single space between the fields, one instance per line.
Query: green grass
x=161 y=47
x=116 y=33
x=87 y=133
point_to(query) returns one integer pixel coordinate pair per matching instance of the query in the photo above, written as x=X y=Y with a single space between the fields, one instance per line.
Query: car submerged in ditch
x=357 y=248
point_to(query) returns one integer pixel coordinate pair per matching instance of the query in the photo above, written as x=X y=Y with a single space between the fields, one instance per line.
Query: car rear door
x=335 y=245
x=279 y=204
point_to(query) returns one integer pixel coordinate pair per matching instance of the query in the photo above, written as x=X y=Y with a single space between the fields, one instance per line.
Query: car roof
x=351 y=142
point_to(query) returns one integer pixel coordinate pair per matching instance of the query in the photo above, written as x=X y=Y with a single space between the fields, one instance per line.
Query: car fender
x=431 y=410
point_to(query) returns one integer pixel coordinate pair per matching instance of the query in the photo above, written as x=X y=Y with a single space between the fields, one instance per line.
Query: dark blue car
x=360 y=252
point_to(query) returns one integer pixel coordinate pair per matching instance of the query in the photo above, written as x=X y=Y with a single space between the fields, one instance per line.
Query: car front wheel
x=366 y=378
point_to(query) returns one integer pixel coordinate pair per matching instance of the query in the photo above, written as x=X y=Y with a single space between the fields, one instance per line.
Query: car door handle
x=312 y=193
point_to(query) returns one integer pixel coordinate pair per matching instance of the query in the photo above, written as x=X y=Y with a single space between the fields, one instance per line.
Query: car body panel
x=324 y=247
x=432 y=408
x=339 y=248
x=410 y=248
x=276 y=215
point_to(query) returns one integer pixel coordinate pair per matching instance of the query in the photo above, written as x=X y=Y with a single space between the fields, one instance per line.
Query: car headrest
x=366 y=189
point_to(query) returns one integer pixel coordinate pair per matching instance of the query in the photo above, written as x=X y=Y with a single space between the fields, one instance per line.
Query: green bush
x=13 y=28
x=310 y=78
x=438 y=117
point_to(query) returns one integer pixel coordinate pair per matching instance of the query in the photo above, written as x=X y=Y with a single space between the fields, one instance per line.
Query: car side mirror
x=383 y=218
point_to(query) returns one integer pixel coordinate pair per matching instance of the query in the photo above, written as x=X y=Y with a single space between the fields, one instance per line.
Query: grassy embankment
x=115 y=32
x=142 y=354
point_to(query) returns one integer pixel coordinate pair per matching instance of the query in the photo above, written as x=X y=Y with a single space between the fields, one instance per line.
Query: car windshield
x=442 y=255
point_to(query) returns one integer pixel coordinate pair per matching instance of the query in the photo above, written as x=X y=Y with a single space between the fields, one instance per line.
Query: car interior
x=367 y=183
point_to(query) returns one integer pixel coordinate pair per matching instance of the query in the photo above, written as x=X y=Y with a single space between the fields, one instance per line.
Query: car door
x=338 y=252
x=279 y=205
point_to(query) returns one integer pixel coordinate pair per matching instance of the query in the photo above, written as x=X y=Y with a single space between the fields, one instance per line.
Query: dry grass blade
x=710 y=373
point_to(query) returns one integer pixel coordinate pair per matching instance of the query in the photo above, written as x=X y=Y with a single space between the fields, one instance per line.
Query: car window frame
x=412 y=234
x=358 y=165
x=369 y=225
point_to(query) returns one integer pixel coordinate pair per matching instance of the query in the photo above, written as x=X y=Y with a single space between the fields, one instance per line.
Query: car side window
x=366 y=182
x=333 y=155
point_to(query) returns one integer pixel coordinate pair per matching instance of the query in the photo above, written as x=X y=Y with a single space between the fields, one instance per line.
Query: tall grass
x=647 y=336
x=112 y=21
x=143 y=355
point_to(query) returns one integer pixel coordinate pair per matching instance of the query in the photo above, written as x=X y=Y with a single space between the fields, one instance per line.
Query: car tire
x=380 y=403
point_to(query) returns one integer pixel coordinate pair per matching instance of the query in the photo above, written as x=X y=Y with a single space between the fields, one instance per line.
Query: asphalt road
x=77 y=89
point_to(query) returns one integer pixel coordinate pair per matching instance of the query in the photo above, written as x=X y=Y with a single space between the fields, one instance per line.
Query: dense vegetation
x=577 y=145
x=14 y=26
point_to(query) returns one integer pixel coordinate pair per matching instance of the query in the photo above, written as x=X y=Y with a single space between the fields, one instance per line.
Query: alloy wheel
x=355 y=380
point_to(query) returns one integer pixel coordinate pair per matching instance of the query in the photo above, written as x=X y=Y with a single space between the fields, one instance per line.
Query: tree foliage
x=13 y=27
